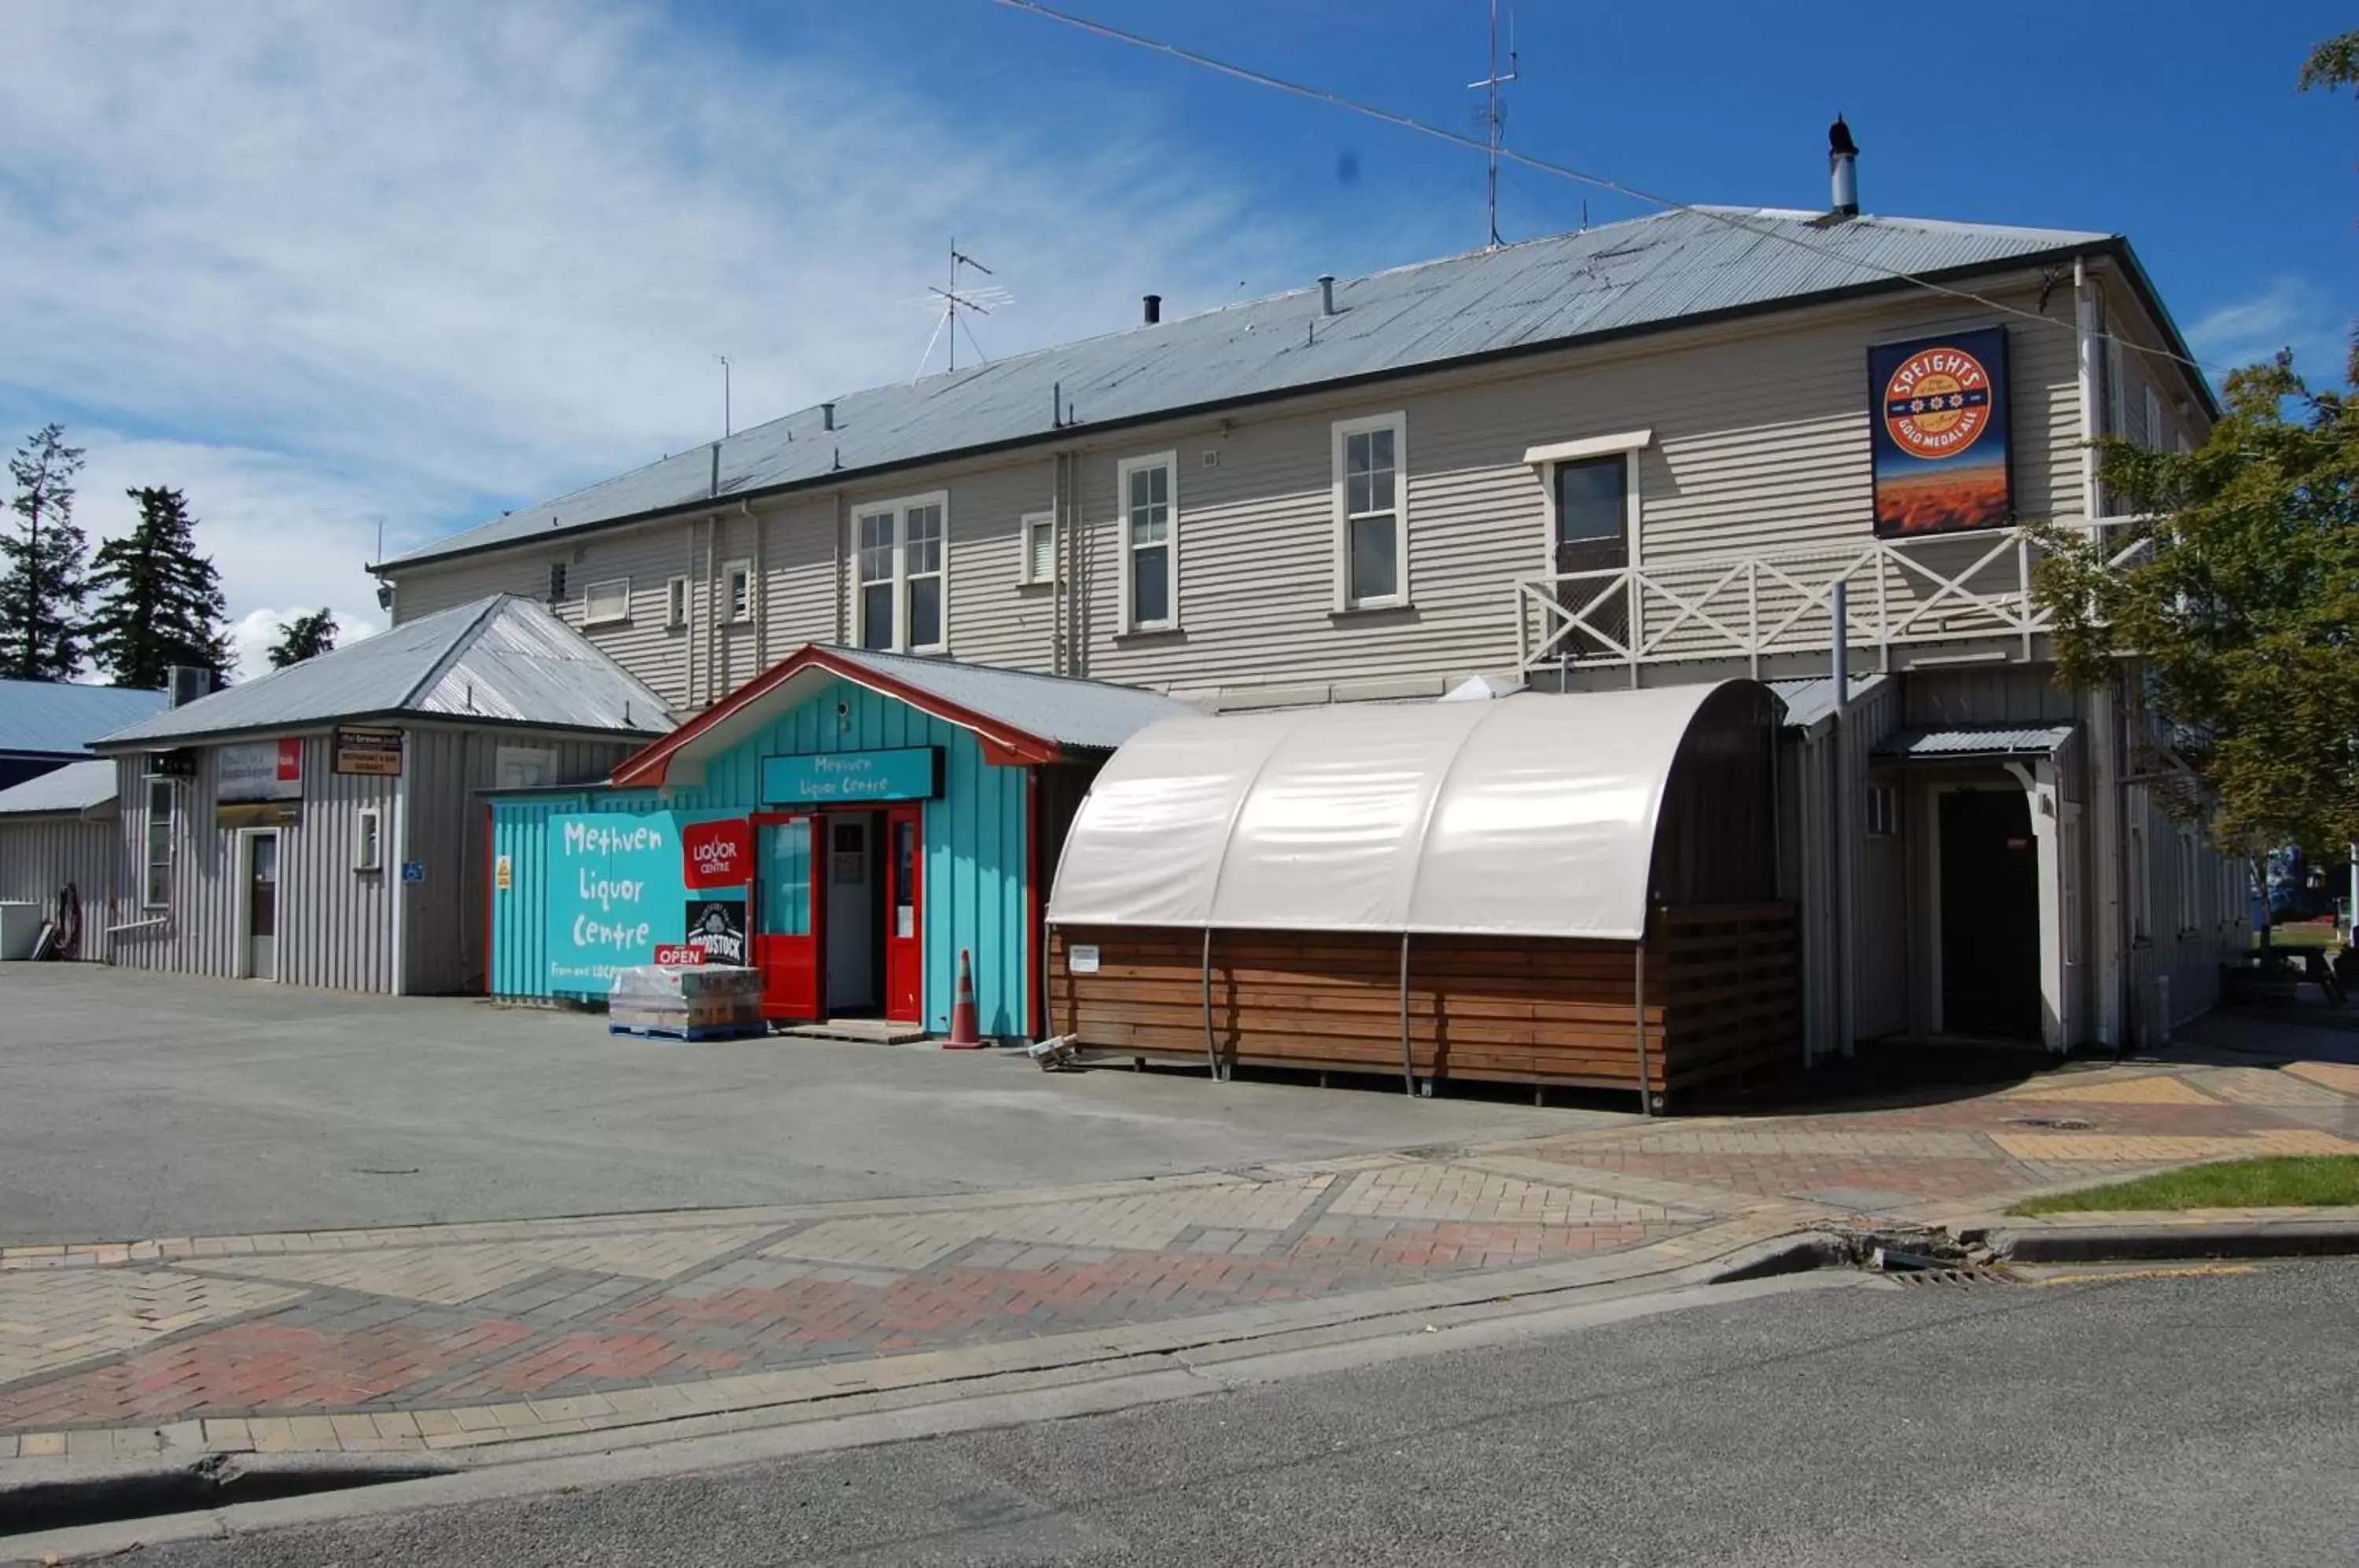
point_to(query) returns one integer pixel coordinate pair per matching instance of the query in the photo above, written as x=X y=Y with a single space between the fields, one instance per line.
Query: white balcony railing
x=1946 y=588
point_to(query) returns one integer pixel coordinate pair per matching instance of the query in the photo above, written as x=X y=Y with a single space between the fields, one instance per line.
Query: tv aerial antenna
x=1494 y=113
x=956 y=303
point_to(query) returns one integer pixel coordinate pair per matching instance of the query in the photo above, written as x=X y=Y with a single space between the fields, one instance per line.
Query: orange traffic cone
x=964 y=1033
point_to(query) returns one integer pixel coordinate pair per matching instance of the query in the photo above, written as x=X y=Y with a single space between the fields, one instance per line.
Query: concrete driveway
x=135 y=1105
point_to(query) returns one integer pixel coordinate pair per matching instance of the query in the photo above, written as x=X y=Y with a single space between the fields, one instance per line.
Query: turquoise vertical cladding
x=975 y=853
x=520 y=929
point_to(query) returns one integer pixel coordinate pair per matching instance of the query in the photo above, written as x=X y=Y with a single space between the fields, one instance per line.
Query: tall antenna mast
x=723 y=360
x=957 y=302
x=1494 y=113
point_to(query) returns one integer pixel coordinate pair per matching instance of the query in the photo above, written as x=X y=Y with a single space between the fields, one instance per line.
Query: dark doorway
x=1990 y=915
x=1592 y=534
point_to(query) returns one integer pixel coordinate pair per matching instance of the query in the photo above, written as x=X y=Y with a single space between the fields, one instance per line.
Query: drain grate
x=2056 y=1124
x=1971 y=1278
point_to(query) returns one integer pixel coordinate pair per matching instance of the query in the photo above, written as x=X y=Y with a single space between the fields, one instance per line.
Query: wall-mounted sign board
x=258 y=783
x=375 y=751
x=829 y=777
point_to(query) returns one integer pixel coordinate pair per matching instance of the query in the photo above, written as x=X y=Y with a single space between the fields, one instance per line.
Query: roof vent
x=1326 y=293
x=827 y=416
x=1153 y=307
x=1842 y=170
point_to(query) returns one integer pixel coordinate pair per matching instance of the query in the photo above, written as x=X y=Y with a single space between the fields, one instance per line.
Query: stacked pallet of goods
x=710 y=1001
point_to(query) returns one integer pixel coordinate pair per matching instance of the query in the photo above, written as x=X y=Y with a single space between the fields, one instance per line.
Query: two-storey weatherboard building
x=1638 y=454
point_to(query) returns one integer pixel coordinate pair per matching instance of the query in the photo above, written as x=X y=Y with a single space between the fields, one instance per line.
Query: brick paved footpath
x=468 y=1335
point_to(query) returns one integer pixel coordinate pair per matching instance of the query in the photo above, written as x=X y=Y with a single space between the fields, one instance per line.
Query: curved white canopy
x=1533 y=815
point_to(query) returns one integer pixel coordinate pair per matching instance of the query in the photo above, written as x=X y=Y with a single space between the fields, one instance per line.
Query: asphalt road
x=2141 y=1420
x=135 y=1105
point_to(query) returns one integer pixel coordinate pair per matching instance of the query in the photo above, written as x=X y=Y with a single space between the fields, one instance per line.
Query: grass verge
x=2277 y=1181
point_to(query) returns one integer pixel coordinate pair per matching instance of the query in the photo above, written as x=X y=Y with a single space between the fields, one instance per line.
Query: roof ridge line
x=450 y=656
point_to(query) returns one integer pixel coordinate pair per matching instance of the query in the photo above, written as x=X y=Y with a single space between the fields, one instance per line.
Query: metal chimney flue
x=1153 y=308
x=1326 y=293
x=1842 y=170
x=827 y=416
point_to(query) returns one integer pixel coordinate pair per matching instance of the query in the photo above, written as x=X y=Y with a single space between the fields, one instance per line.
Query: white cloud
x=256 y=630
x=2289 y=313
x=328 y=263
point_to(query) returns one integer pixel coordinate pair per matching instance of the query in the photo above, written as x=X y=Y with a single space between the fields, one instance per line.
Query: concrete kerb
x=599 y=1460
x=2092 y=1238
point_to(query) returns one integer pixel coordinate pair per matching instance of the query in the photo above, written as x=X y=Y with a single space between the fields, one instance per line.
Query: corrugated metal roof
x=502 y=657
x=76 y=786
x=2036 y=740
x=1810 y=699
x=1623 y=277
x=60 y=718
x=1088 y=713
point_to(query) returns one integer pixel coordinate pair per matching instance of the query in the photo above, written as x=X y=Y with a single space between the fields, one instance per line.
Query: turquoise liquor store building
x=849 y=822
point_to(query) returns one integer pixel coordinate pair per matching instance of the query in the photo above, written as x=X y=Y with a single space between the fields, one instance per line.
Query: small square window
x=604 y=604
x=737 y=590
x=676 y=602
x=557 y=582
x=368 y=841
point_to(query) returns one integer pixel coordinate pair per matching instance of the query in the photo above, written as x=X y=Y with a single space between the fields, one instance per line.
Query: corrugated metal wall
x=1807 y=853
x=40 y=854
x=335 y=921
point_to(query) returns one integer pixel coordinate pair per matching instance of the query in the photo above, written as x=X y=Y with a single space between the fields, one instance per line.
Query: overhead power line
x=1562 y=171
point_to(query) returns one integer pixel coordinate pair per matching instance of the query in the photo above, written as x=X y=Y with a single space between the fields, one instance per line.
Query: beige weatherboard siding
x=1759 y=445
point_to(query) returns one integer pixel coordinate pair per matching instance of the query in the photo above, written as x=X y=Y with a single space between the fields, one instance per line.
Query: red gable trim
x=1001 y=742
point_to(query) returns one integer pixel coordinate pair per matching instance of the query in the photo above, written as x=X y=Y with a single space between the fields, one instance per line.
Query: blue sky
x=329 y=267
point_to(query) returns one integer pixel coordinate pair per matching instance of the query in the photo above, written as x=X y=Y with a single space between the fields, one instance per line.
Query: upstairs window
x=1040 y=546
x=737 y=590
x=1370 y=513
x=602 y=603
x=557 y=582
x=1150 y=542
x=901 y=575
x=676 y=602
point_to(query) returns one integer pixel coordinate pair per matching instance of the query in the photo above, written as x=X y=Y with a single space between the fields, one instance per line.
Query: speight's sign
x=1939 y=434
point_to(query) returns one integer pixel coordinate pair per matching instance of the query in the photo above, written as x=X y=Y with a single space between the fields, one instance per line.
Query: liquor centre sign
x=828 y=778
x=628 y=890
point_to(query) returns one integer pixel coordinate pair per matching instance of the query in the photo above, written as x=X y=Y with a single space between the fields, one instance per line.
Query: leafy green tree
x=2241 y=615
x=41 y=581
x=159 y=603
x=305 y=636
x=2332 y=64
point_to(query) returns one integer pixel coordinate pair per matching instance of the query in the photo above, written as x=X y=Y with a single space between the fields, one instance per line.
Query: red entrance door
x=786 y=920
x=905 y=914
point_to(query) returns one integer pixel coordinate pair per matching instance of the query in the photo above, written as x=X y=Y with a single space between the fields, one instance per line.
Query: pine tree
x=41 y=572
x=305 y=636
x=159 y=603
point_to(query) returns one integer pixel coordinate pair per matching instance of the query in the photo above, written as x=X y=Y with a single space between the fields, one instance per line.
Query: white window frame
x=1339 y=446
x=899 y=510
x=1146 y=462
x=1544 y=459
x=736 y=583
x=617 y=614
x=1028 y=527
x=676 y=603
x=368 y=840
x=168 y=790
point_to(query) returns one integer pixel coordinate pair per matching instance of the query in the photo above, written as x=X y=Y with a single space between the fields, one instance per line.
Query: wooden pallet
x=691 y=1033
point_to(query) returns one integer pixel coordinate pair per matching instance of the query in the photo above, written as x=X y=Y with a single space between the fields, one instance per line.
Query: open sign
x=682 y=955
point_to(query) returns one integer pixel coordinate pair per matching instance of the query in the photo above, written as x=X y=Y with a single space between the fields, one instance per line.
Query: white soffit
x=1588 y=446
x=1532 y=815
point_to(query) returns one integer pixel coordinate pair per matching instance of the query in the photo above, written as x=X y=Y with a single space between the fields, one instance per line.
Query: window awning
x=1532 y=815
x=1973 y=744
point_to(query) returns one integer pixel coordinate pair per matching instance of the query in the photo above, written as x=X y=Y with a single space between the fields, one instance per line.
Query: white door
x=850 y=913
x=262 y=904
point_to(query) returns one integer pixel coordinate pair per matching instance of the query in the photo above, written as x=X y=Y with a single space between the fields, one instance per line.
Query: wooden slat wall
x=1719 y=995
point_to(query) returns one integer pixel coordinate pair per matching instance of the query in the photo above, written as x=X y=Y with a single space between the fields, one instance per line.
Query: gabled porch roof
x=1019 y=717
